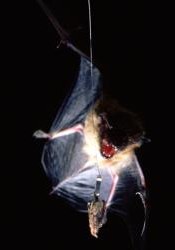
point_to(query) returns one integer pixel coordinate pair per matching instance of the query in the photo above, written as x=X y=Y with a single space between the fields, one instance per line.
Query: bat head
x=119 y=128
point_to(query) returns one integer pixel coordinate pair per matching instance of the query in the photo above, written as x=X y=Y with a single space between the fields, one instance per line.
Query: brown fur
x=92 y=146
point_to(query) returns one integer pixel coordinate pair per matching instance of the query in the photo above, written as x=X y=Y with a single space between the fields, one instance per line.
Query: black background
x=36 y=76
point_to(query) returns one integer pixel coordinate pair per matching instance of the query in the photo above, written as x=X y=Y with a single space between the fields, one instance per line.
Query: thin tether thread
x=91 y=66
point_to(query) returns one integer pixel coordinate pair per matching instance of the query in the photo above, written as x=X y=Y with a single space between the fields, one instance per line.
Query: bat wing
x=62 y=156
x=130 y=202
x=81 y=98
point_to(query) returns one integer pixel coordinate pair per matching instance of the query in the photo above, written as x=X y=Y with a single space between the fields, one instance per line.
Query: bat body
x=74 y=162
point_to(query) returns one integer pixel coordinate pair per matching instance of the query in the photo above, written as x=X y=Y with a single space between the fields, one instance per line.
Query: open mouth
x=107 y=149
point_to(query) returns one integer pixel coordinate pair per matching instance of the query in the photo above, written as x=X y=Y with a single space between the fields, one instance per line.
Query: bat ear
x=145 y=139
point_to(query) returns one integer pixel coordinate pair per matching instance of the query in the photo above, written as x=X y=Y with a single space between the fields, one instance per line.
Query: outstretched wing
x=62 y=156
x=81 y=98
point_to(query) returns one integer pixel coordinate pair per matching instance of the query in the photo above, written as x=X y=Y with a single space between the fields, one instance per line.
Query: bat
x=89 y=154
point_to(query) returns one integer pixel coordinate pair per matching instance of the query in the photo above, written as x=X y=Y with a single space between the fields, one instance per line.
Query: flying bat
x=89 y=154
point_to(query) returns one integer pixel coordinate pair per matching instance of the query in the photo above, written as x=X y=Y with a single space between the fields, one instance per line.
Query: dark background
x=36 y=77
